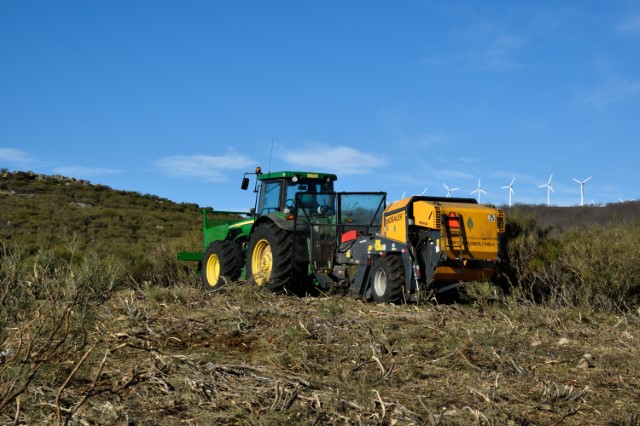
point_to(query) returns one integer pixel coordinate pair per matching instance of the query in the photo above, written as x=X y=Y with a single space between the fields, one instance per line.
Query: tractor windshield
x=310 y=195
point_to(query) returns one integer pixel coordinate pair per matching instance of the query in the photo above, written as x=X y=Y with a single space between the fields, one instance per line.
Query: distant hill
x=57 y=213
x=563 y=218
x=38 y=210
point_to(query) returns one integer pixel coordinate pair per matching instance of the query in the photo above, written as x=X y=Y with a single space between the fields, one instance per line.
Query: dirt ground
x=178 y=355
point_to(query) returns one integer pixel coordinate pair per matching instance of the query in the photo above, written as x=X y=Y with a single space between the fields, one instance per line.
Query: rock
x=586 y=361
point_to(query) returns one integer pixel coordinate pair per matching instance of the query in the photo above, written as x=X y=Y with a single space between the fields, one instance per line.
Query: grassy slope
x=175 y=355
x=41 y=211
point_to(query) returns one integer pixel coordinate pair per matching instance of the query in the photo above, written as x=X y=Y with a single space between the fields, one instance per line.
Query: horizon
x=444 y=197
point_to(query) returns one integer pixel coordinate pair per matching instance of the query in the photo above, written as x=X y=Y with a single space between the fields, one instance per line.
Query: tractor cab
x=278 y=192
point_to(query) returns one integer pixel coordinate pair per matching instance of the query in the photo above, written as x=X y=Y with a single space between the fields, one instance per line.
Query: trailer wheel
x=269 y=258
x=222 y=259
x=387 y=279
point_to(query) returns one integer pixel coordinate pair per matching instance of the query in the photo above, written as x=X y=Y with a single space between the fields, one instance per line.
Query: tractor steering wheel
x=289 y=203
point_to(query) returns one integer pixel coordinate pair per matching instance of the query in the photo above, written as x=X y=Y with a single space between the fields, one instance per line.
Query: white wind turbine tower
x=582 y=189
x=511 y=192
x=549 y=190
x=449 y=190
x=479 y=191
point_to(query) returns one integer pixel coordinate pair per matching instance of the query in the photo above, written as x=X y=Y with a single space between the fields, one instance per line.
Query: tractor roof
x=301 y=175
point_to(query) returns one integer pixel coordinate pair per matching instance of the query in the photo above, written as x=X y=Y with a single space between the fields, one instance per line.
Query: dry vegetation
x=243 y=356
x=85 y=340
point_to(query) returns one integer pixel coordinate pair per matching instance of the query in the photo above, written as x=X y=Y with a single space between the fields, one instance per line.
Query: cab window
x=270 y=200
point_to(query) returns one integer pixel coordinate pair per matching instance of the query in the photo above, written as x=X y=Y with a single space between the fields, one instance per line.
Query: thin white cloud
x=450 y=174
x=609 y=92
x=205 y=167
x=494 y=53
x=468 y=160
x=630 y=25
x=82 y=171
x=431 y=138
x=341 y=159
x=456 y=174
x=498 y=55
x=15 y=156
x=423 y=139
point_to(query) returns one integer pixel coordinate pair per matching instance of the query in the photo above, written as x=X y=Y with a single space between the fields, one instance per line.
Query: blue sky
x=180 y=98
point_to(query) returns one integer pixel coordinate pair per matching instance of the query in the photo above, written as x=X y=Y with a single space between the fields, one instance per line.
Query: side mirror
x=245 y=183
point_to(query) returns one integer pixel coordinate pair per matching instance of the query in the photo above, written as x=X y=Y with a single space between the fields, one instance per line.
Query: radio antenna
x=270 y=155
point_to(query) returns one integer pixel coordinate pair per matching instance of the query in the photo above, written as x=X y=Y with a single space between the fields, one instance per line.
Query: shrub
x=593 y=267
x=528 y=249
x=47 y=307
x=603 y=265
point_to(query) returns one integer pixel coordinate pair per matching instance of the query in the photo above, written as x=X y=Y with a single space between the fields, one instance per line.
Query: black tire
x=222 y=259
x=387 y=279
x=270 y=261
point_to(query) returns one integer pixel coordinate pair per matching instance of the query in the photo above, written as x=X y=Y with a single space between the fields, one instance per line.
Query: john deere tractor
x=302 y=235
x=266 y=245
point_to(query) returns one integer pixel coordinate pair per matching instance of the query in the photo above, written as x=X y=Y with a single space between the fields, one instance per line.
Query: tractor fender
x=280 y=222
x=240 y=231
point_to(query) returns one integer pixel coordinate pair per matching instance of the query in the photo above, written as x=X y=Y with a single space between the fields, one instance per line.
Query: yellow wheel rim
x=212 y=270
x=261 y=262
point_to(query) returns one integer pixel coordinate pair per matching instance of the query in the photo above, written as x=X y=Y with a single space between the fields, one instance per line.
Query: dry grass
x=243 y=356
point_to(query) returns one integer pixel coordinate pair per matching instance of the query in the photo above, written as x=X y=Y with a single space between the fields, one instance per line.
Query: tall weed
x=163 y=268
x=47 y=307
x=594 y=267
x=603 y=264
x=528 y=253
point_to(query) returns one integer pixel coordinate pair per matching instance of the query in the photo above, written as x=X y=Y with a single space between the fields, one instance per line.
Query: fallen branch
x=66 y=382
x=91 y=388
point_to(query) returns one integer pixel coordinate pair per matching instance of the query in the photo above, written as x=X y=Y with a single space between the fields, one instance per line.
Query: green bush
x=603 y=266
x=593 y=267
x=527 y=250
x=51 y=304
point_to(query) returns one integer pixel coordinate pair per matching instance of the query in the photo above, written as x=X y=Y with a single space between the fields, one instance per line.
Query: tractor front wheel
x=222 y=259
x=270 y=258
x=387 y=279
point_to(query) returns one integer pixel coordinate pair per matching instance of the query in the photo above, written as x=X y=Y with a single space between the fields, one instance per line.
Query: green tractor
x=288 y=241
x=302 y=236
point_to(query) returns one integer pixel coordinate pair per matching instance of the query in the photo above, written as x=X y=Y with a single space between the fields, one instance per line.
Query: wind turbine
x=511 y=192
x=449 y=190
x=549 y=190
x=582 y=189
x=479 y=191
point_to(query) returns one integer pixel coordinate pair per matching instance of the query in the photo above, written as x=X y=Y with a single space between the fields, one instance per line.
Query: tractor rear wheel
x=222 y=259
x=387 y=279
x=270 y=259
